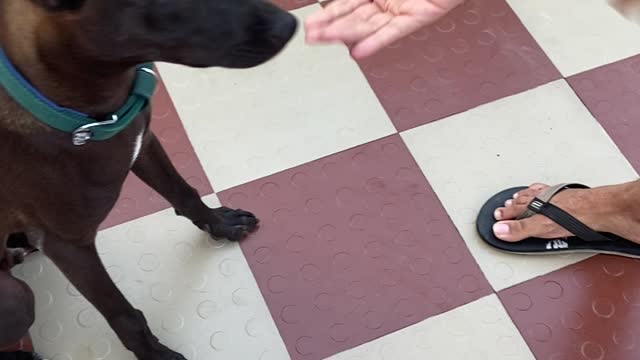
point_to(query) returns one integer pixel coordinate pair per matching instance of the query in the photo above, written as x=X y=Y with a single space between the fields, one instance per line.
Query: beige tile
x=579 y=35
x=481 y=330
x=307 y=103
x=543 y=135
x=198 y=295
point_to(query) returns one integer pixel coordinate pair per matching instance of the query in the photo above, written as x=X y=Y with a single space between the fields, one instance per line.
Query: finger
x=333 y=11
x=394 y=30
x=353 y=28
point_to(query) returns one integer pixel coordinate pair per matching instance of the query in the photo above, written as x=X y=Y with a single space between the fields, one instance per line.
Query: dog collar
x=81 y=127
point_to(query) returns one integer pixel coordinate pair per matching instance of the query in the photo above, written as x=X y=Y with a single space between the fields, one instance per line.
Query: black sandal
x=586 y=240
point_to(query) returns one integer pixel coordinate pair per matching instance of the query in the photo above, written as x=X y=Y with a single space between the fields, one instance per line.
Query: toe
x=513 y=230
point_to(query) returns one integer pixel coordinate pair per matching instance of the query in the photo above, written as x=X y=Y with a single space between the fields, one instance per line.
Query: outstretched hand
x=370 y=25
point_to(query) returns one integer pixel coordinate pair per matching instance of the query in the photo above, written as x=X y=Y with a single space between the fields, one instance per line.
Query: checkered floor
x=368 y=177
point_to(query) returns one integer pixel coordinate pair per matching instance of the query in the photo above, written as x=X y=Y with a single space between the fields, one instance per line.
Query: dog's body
x=82 y=54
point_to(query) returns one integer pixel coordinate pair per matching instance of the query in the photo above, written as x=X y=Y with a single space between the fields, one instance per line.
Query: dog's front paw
x=225 y=223
x=165 y=354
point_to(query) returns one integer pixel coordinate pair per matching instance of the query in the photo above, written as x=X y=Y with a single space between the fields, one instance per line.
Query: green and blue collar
x=81 y=127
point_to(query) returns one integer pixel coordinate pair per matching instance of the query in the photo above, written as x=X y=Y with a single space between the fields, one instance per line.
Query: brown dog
x=82 y=55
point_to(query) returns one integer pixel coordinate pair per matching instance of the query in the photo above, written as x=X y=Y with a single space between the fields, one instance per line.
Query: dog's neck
x=48 y=60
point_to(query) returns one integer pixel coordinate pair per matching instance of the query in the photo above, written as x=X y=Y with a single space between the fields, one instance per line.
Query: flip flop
x=586 y=240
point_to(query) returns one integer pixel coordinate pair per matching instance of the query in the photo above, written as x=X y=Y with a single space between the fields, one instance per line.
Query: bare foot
x=613 y=209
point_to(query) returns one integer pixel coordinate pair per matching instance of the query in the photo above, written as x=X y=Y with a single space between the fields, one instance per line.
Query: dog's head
x=199 y=33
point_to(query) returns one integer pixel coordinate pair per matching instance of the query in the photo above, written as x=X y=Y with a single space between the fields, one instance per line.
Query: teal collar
x=81 y=127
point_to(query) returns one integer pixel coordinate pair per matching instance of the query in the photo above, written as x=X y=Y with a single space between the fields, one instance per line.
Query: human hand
x=370 y=25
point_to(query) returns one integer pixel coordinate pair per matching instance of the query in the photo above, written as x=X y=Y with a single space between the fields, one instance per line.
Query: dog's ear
x=60 y=5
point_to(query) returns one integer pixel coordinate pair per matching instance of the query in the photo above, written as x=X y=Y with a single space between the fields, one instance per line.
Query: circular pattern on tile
x=339 y=332
x=433 y=53
x=372 y=320
x=330 y=169
x=572 y=320
x=323 y=301
x=184 y=251
x=296 y=243
x=219 y=341
x=262 y=255
x=197 y=282
x=72 y=291
x=376 y=185
x=269 y=189
x=632 y=296
x=459 y=46
x=242 y=297
x=207 y=309
x=277 y=284
x=62 y=357
x=433 y=105
x=445 y=25
x=582 y=279
x=314 y=206
x=237 y=200
x=50 y=330
x=342 y=261
x=404 y=308
x=540 y=332
x=148 y=262
x=290 y=314
x=304 y=345
x=229 y=267
x=172 y=322
x=328 y=233
x=603 y=308
x=419 y=84
x=471 y=17
x=87 y=318
x=624 y=339
x=44 y=298
x=310 y=272
x=614 y=268
x=389 y=278
x=453 y=255
x=521 y=301
x=592 y=351
x=31 y=270
x=404 y=238
x=345 y=196
x=161 y=292
x=358 y=222
x=357 y=289
x=100 y=349
x=552 y=290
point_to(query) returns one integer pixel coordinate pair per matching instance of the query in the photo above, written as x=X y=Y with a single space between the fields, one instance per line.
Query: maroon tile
x=587 y=311
x=612 y=94
x=478 y=53
x=293 y=4
x=137 y=199
x=353 y=247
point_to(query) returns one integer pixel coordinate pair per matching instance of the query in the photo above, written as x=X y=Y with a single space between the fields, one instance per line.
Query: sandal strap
x=542 y=206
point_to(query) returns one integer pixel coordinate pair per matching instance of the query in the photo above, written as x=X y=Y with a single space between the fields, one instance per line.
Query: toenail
x=515 y=196
x=508 y=203
x=501 y=229
x=497 y=214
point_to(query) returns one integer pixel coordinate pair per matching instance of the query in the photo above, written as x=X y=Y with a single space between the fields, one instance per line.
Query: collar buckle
x=81 y=135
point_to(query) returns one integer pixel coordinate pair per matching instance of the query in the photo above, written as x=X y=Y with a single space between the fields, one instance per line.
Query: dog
x=84 y=58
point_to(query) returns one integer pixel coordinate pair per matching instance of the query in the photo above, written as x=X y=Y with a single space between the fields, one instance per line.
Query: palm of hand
x=369 y=25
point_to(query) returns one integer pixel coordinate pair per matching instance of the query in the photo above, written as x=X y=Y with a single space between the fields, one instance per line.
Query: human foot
x=613 y=209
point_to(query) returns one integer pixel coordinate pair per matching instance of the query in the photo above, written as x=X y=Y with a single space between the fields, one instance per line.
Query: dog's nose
x=285 y=27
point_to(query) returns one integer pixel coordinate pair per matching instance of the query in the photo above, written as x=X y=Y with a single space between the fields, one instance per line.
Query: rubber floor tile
x=198 y=296
x=541 y=135
x=352 y=247
x=481 y=330
x=578 y=36
x=478 y=53
x=587 y=311
x=137 y=199
x=612 y=94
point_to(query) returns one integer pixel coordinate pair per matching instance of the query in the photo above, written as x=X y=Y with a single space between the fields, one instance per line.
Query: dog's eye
x=61 y=5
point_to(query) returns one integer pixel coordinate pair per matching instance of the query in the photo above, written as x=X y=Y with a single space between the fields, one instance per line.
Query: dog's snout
x=284 y=27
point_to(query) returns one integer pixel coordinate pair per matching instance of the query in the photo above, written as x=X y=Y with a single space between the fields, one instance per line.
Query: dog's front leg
x=84 y=269
x=154 y=168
